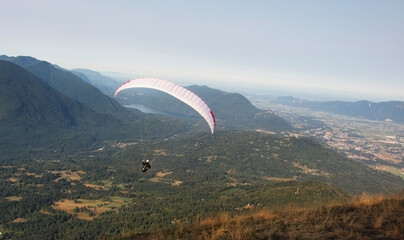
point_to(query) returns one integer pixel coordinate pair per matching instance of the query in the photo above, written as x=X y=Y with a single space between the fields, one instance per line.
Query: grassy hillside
x=364 y=217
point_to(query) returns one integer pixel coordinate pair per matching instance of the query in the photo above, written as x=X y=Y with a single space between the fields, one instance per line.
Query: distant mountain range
x=106 y=84
x=384 y=111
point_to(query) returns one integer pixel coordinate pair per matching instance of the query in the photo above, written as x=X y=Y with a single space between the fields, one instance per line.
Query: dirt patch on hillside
x=13 y=198
x=162 y=174
x=264 y=131
x=281 y=179
x=160 y=152
x=176 y=183
x=13 y=180
x=33 y=174
x=69 y=175
x=311 y=171
x=45 y=212
x=96 y=187
x=209 y=159
x=95 y=206
x=124 y=145
x=19 y=220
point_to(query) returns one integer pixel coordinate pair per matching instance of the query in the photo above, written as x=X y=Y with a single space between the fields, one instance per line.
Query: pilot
x=146 y=165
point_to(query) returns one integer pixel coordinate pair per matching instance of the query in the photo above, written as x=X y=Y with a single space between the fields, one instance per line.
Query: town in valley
x=378 y=144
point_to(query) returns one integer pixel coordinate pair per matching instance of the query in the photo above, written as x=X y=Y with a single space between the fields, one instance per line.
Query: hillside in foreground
x=364 y=217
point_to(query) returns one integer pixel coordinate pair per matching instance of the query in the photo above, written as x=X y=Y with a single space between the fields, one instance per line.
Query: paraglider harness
x=146 y=165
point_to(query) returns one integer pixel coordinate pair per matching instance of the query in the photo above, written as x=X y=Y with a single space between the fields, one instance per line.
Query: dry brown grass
x=6 y=167
x=311 y=171
x=19 y=220
x=95 y=186
x=162 y=174
x=367 y=199
x=365 y=217
x=280 y=179
x=264 y=131
x=176 y=183
x=13 y=180
x=13 y=198
x=209 y=159
x=160 y=152
x=124 y=145
x=33 y=174
x=97 y=206
x=45 y=212
x=160 y=178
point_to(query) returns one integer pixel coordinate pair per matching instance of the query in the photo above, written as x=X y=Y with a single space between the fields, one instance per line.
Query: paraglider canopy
x=176 y=91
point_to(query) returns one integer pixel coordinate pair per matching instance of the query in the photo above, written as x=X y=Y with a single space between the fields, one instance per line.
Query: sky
x=348 y=47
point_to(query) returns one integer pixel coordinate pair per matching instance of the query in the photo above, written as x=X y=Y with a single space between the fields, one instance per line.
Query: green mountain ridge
x=29 y=103
x=36 y=119
x=73 y=86
x=232 y=110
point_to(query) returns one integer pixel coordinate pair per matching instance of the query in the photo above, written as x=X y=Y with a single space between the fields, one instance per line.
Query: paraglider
x=176 y=91
x=146 y=165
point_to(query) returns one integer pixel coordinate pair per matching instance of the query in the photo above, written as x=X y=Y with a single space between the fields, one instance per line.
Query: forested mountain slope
x=104 y=193
x=72 y=86
x=27 y=102
x=35 y=117
x=239 y=157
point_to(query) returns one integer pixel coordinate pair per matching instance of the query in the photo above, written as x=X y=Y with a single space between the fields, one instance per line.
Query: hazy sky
x=355 y=46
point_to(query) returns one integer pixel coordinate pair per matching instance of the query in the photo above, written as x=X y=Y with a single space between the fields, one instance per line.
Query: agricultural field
x=90 y=209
